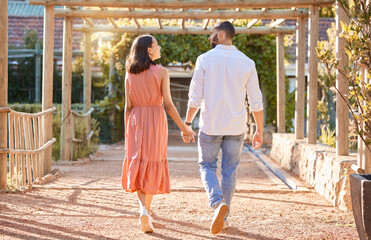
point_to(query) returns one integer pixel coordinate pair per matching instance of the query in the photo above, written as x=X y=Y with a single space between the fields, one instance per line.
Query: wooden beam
x=88 y=21
x=342 y=112
x=233 y=19
x=189 y=14
x=66 y=88
x=135 y=19
x=47 y=86
x=300 y=78
x=109 y=18
x=312 y=74
x=277 y=23
x=4 y=91
x=252 y=23
x=181 y=22
x=158 y=20
x=205 y=24
x=280 y=63
x=113 y=22
x=175 y=30
x=87 y=76
x=198 y=4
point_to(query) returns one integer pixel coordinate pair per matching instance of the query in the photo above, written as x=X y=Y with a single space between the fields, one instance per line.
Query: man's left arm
x=256 y=106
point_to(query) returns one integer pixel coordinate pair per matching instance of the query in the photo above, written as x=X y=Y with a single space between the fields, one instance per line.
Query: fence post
x=3 y=90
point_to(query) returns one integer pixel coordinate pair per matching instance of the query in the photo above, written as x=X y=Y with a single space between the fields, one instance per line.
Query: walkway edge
x=290 y=181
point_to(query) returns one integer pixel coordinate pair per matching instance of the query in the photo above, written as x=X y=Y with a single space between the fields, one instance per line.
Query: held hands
x=257 y=140
x=188 y=135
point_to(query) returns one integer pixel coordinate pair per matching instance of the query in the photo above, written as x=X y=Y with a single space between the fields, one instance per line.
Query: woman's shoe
x=146 y=221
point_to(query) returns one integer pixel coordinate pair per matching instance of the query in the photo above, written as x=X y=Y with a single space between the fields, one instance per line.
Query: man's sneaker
x=218 y=220
x=226 y=224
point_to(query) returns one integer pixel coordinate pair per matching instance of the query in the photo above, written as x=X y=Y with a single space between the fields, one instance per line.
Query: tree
x=357 y=35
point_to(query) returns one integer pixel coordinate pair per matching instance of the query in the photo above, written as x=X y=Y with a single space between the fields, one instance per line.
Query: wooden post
x=4 y=89
x=37 y=74
x=280 y=63
x=87 y=77
x=342 y=112
x=66 y=88
x=300 y=78
x=312 y=74
x=47 y=87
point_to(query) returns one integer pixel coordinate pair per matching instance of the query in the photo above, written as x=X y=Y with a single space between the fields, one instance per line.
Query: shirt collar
x=228 y=47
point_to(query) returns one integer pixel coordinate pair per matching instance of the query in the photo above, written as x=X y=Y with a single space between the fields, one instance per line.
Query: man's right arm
x=196 y=92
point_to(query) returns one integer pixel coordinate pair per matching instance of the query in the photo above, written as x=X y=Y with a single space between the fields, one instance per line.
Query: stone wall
x=317 y=165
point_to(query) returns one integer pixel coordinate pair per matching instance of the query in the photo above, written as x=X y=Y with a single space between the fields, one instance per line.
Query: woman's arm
x=128 y=105
x=169 y=105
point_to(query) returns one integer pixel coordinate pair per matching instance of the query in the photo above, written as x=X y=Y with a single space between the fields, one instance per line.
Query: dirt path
x=87 y=203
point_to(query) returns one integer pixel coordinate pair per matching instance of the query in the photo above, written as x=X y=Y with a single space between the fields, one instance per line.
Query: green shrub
x=328 y=136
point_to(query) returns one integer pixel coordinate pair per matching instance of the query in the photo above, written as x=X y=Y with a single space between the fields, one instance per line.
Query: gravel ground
x=87 y=203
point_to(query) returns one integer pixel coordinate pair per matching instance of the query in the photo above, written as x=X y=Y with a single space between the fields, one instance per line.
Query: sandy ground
x=87 y=203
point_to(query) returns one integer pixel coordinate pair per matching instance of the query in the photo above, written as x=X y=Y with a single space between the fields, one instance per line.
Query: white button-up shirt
x=222 y=78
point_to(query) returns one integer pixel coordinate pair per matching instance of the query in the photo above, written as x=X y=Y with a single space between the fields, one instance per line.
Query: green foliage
x=31 y=38
x=80 y=151
x=184 y=50
x=328 y=136
x=357 y=35
x=327 y=12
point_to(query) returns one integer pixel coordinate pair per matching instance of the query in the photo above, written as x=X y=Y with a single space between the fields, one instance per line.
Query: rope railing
x=73 y=140
x=26 y=145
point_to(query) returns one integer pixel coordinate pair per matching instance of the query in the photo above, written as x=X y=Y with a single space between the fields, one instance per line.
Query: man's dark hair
x=227 y=27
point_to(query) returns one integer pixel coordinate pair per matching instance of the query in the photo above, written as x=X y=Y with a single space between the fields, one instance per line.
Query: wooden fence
x=26 y=146
x=90 y=133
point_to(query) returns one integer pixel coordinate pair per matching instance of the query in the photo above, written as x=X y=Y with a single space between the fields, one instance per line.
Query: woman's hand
x=188 y=134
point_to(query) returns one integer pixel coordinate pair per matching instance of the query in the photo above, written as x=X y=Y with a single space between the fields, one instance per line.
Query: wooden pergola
x=276 y=10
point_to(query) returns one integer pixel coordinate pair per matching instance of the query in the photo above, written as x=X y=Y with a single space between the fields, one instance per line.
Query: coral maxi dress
x=145 y=166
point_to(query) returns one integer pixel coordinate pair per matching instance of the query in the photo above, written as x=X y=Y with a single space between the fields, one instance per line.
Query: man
x=221 y=79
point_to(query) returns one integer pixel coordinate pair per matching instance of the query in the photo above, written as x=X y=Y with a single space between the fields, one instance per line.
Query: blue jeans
x=208 y=148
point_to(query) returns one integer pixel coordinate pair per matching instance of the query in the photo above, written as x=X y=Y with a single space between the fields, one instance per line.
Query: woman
x=147 y=90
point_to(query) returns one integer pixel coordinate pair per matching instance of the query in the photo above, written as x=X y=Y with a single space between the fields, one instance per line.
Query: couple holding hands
x=222 y=78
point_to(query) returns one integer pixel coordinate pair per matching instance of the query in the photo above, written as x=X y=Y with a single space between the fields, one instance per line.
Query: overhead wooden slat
x=176 y=30
x=233 y=19
x=206 y=23
x=189 y=14
x=159 y=20
x=252 y=23
x=88 y=21
x=187 y=3
x=181 y=22
x=135 y=19
x=277 y=23
x=109 y=18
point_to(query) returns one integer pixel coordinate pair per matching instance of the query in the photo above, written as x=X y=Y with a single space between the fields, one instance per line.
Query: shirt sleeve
x=196 y=89
x=254 y=94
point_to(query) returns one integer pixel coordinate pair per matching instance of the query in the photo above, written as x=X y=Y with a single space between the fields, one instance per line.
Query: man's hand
x=257 y=140
x=188 y=135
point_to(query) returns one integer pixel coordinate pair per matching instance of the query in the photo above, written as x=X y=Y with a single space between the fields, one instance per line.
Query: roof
x=23 y=8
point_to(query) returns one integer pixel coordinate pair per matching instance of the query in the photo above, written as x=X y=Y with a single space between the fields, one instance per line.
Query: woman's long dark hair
x=138 y=59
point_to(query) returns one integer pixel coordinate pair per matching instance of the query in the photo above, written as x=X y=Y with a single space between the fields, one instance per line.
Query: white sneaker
x=218 y=220
x=146 y=221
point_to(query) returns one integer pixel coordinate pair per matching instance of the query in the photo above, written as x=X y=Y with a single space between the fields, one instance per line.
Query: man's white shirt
x=222 y=78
